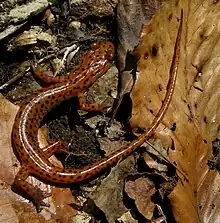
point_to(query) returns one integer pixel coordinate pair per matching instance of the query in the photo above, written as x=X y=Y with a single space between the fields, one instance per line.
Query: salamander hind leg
x=56 y=147
x=83 y=105
x=25 y=189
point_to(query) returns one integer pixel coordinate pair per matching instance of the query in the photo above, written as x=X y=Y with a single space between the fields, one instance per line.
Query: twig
x=160 y=219
x=153 y=147
x=15 y=78
x=10 y=30
x=67 y=51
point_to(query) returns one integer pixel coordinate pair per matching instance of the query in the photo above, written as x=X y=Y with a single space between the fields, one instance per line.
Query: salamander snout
x=104 y=49
x=109 y=50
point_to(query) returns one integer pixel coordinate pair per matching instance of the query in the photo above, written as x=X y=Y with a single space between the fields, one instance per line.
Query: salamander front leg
x=83 y=105
x=56 y=147
x=27 y=190
x=46 y=77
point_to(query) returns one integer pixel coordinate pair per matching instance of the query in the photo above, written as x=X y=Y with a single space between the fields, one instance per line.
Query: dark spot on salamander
x=78 y=177
x=86 y=176
x=99 y=70
x=22 y=153
x=47 y=102
x=72 y=177
x=17 y=146
x=86 y=80
x=31 y=120
x=125 y=154
x=24 y=159
x=47 y=175
x=62 y=176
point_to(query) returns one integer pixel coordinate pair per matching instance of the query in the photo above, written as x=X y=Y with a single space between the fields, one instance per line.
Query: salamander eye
x=109 y=55
x=94 y=46
x=110 y=52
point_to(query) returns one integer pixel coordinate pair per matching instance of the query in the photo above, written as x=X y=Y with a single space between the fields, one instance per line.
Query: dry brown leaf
x=131 y=15
x=109 y=195
x=141 y=191
x=195 y=103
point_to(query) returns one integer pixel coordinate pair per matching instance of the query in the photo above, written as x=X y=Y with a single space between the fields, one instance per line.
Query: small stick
x=153 y=147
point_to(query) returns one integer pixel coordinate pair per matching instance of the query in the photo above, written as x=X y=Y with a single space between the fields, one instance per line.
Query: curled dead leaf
x=141 y=190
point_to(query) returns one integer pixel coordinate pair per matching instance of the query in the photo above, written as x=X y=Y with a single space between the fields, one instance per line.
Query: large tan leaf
x=195 y=103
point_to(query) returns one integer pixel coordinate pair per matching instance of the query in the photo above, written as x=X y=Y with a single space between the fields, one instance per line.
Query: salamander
x=34 y=160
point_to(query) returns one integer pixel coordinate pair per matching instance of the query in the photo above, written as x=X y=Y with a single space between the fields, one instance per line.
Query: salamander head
x=104 y=49
x=96 y=62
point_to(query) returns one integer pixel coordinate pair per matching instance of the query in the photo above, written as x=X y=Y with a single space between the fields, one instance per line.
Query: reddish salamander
x=34 y=161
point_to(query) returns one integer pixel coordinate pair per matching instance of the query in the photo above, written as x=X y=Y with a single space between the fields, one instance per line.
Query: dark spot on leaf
x=160 y=87
x=154 y=50
x=170 y=17
x=146 y=55
x=173 y=127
